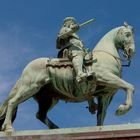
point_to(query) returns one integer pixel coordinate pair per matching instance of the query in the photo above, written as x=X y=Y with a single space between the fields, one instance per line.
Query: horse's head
x=125 y=40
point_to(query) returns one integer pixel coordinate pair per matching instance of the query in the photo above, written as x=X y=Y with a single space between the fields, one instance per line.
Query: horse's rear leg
x=3 y=117
x=24 y=93
x=45 y=105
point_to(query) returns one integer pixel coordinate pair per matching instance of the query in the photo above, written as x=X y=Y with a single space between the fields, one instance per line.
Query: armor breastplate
x=76 y=42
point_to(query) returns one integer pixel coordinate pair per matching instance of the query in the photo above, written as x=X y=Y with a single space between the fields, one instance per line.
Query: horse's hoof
x=9 y=132
x=123 y=109
x=93 y=108
x=53 y=127
x=8 y=129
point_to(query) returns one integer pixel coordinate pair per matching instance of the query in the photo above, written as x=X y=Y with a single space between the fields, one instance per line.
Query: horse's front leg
x=115 y=82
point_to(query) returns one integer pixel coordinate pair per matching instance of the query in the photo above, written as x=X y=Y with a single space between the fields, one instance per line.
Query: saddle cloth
x=65 y=62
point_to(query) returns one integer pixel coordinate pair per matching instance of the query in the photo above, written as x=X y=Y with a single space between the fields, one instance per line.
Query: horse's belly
x=63 y=80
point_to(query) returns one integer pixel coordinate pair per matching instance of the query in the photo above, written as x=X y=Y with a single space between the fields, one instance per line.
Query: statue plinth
x=113 y=132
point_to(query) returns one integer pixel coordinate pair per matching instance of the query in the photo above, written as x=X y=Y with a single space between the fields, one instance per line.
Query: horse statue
x=49 y=80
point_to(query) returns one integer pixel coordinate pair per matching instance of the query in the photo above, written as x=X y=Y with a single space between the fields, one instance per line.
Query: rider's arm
x=66 y=32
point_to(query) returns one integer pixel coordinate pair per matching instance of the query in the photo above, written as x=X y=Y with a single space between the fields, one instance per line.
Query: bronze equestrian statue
x=49 y=80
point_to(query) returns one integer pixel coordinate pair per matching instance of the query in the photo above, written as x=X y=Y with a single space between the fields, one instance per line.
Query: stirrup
x=81 y=77
x=90 y=76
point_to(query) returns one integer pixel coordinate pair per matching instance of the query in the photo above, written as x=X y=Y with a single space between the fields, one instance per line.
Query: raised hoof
x=93 y=108
x=123 y=109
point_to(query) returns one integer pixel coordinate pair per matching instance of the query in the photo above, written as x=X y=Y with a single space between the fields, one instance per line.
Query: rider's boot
x=78 y=67
x=90 y=73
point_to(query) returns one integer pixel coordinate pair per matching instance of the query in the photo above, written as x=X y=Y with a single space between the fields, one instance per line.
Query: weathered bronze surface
x=49 y=80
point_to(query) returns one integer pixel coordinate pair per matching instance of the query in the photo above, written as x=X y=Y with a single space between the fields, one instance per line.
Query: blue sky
x=28 y=30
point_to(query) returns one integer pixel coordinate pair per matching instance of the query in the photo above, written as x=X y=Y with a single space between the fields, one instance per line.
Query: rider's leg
x=77 y=56
x=78 y=66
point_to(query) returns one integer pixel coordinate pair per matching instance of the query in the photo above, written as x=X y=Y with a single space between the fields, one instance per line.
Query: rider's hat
x=70 y=19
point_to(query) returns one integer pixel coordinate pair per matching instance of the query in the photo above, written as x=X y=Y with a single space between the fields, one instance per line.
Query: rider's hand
x=75 y=28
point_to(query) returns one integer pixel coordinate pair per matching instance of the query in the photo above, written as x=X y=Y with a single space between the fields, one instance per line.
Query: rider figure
x=68 y=39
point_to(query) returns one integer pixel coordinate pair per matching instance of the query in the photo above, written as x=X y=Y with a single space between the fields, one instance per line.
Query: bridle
x=117 y=58
x=127 y=60
x=125 y=54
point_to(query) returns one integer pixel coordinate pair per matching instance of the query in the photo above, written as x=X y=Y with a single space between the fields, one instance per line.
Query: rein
x=118 y=58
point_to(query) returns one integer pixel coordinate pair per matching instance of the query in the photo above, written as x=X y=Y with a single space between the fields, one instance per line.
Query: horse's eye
x=128 y=34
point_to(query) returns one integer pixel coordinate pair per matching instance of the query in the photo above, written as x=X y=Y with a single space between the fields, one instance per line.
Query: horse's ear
x=126 y=24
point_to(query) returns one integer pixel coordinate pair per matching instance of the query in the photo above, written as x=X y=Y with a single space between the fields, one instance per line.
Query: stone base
x=112 y=132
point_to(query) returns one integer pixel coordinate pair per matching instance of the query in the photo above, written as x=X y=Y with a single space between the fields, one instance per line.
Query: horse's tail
x=3 y=107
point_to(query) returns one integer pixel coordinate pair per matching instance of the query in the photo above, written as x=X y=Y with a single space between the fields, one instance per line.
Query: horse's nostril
x=130 y=51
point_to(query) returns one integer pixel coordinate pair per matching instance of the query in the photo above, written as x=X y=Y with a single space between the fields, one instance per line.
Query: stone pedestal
x=112 y=132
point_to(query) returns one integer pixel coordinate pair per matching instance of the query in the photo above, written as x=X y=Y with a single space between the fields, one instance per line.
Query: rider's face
x=69 y=24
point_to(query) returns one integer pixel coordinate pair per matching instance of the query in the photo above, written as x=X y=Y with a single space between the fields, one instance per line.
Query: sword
x=87 y=22
x=79 y=26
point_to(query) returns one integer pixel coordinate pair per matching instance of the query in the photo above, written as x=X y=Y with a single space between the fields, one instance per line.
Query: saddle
x=64 y=61
x=64 y=55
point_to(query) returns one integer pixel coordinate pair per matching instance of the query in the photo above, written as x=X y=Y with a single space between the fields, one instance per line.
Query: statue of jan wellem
x=67 y=38
x=75 y=76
